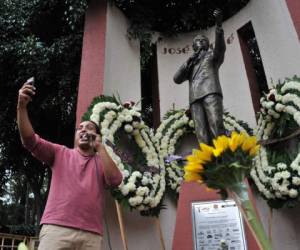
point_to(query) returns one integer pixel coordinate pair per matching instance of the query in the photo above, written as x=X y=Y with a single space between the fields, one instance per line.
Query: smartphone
x=31 y=81
x=92 y=137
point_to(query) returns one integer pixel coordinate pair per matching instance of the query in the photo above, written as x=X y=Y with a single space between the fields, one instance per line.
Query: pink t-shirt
x=76 y=193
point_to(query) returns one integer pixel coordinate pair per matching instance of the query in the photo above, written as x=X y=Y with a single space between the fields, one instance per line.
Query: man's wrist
x=21 y=107
x=100 y=149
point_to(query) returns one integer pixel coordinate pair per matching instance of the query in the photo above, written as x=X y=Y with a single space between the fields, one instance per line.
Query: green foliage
x=41 y=39
x=174 y=196
x=172 y=112
x=284 y=126
x=175 y=16
x=231 y=168
x=171 y=17
x=154 y=212
x=22 y=230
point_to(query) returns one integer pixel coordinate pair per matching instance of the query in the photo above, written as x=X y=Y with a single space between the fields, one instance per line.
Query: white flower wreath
x=176 y=124
x=278 y=180
x=143 y=190
x=139 y=190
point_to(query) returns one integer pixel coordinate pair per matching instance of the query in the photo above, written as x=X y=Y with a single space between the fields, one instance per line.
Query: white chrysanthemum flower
x=95 y=118
x=141 y=191
x=131 y=186
x=135 y=124
x=125 y=190
x=191 y=124
x=279 y=107
x=128 y=128
x=105 y=131
x=141 y=208
x=281 y=166
x=293 y=193
x=134 y=201
x=125 y=173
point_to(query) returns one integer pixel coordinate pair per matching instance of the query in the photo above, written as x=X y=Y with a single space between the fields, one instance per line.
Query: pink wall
x=294 y=8
x=93 y=57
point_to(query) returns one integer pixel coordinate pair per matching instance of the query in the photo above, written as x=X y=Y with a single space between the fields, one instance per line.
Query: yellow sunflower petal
x=233 y=141
x=254 y=150
x=217 y=152
x=241 y=138
x=205 y=147
x=194 y=159
x=205 y=156
x=196 y=168
x=195 y=152
x=190 y=176
x=221 y=144
x=249 y=143
x=206 y=152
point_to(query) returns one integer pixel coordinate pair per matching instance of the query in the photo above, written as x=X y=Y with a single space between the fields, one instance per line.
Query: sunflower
x=212 y=159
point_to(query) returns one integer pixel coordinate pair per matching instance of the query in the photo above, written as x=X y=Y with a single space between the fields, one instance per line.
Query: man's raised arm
x=25 y=96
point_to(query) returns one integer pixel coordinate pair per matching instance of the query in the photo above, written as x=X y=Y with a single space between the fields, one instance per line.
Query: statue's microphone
x=194 y=58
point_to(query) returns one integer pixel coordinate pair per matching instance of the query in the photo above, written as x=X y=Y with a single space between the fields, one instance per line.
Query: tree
x=43 y=39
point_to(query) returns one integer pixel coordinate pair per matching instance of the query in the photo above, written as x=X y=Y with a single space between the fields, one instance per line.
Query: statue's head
x=200 y=42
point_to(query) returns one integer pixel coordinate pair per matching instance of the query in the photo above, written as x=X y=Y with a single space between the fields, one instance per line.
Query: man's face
x=200 y=44
x=85 y=135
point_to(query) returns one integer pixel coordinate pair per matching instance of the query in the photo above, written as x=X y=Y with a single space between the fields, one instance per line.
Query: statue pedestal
x=183 y=235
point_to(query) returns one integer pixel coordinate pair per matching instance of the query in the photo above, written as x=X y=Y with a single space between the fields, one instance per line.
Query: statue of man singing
x=205 y=93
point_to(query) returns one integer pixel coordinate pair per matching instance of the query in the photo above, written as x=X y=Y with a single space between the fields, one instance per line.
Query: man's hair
x=96 y=127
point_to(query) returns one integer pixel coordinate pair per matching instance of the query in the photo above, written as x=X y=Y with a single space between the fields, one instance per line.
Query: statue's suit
x=205 y=93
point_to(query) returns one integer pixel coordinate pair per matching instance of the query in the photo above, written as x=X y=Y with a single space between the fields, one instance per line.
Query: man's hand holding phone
x=26 y=93
x=95 y=140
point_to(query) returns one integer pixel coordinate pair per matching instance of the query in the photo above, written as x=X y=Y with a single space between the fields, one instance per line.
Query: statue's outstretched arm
x=220 y=46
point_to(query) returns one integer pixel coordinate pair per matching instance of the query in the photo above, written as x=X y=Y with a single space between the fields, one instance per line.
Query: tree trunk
x=26 y=214
x=36 y=184
x=38 y=207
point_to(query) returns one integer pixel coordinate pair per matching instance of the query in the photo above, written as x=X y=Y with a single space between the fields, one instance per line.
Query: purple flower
x=172 y=158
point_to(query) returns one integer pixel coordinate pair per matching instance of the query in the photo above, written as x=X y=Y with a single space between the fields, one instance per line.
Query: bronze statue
x=205 y=93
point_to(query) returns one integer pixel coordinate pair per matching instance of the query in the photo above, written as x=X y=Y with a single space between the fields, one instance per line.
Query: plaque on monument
x=217 y=225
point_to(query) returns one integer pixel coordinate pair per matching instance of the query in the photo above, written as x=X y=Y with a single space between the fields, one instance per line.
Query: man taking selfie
x=72 y=217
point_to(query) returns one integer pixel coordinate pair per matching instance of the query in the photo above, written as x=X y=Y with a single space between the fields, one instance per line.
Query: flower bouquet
x=225 y=166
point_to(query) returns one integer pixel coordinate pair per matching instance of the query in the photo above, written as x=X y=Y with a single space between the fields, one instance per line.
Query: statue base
x=183 y=235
